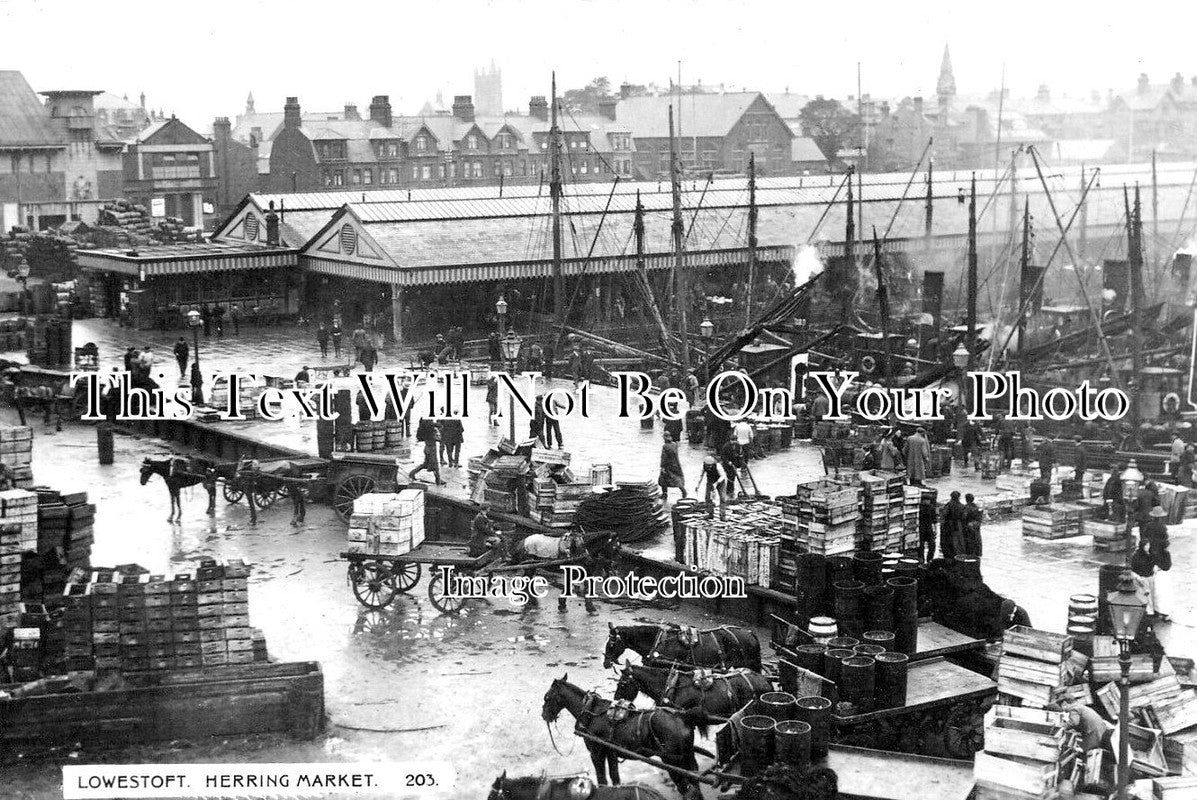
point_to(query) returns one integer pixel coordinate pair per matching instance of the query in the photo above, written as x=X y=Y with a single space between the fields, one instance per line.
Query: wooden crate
x=1177 y=787
x=1023 y=775
x=1052 y=648
x=1027 y=733
x=1175 y=714
x=1147 y=750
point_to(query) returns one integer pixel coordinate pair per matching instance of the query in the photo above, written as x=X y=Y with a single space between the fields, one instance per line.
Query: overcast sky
x=200 y=59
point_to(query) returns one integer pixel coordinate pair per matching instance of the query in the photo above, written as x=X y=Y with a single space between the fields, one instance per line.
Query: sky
x=199 y=60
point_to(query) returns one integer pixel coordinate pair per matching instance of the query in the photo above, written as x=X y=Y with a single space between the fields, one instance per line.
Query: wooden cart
x=377 y=579
x=351 y=475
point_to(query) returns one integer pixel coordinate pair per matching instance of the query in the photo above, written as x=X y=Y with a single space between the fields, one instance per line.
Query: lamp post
x=707 y=329
x=1127 y=607
x=501 y=310
x=23 y=277
x=195 y=322
x=1132 y=479
x=960 y=358
x=510 y=346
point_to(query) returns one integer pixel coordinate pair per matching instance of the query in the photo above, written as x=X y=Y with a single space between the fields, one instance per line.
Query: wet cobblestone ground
x=467 y=689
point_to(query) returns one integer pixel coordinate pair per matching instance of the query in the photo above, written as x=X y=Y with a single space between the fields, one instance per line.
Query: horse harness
x=690 y=637
x=618 y=711
x=704 y=680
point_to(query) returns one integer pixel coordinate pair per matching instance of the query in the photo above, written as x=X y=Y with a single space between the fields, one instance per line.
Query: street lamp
x=195 y=322
x=510 y=346
x=707 y=329
x=1132 y=479
x=501 y=310
x=1127 y=607
x=23 y=277
x=960 y=358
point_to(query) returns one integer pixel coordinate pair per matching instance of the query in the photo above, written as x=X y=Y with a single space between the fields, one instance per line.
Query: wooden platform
x=929 y=683
x=937 y=640
x=882 y=775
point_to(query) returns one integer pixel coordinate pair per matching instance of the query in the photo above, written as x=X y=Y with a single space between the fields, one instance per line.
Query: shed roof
x=23 y=119
x=701 y=114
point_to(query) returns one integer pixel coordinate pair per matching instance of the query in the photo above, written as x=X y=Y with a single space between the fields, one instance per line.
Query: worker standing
x=716 y=486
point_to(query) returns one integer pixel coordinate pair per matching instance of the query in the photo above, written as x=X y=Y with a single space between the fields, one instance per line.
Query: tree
x=829 y=124
x=586 y=99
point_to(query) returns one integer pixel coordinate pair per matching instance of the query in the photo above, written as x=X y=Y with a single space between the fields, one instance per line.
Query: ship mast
x=1134 y=248
x=883 y=308
x=849 y=251
x=971 y=312
x=681 y=284
x=751 y=236
x=555 y=195
x=1024 y=263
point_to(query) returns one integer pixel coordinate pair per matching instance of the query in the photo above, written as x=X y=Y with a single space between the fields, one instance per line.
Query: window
x=442 y=172
x=507 y=170
x=477 y=169
x=585 y=167
x=573 y=144
x=415 y=172
x=368 y=176
x=498 y=169
x=338 y=177
x=357 y=177
x=327 y=178
x=384 y=176
x=471 y=142
x=393 y=150
x=395 y=175
x=523 y=166
x=452 y=169
x=505 y=141
x=421 y=143
x=426 y=172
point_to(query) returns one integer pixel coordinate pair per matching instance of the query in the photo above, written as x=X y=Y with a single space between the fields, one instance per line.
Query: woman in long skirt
x=671 y=476
x=1156 y=534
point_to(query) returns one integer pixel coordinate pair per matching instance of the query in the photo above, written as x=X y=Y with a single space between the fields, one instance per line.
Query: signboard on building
x=157 y=206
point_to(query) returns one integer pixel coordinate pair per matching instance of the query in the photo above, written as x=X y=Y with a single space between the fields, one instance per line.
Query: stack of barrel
x=780 y=728
x=1082 y=621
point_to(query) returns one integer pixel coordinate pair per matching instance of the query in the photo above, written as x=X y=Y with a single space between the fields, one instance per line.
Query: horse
x=594 y=551
x=661 y=732
x=178 y=473
x=545 y=788
x=729 y=646
x=722 y=696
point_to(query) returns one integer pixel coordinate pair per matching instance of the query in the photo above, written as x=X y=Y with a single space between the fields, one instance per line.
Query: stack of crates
x=827 y=515
x=881 y=507
x=16 y=451
x=11 y=548
x=385 y=523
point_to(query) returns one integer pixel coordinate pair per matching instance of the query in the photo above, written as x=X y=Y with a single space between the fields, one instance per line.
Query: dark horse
x=725 y=694
x=179 y=473
x=545 y=788
x=659 y=732
x=726 y=647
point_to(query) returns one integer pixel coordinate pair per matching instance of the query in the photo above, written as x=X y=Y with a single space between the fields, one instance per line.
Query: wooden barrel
x=394 y=433
x=906 y=596
x=1081 y=628
x=778 y=705
x=831 y=663
x=816 y=712
x=803 y=428
x=839 y=568
x=906 y=635
x=363 y=438
x=907 y=568
x=847 y=599
x=870 y=650
x=884 y=639
x=823 y=629
x=792 y=743
x=968 y=566
x=879 y=608
x=379 y=436
x=842 y=643
x=1082 y=605
x=856 y=681
x=756 y=742
x=810 y=657
x=890 y=676
x=811 y=580
x=866 y=567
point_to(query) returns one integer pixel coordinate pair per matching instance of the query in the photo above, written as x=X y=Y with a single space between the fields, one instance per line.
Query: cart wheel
x=371 y=581
x=265 y=497
x=405 y=576
x=349 y=490
x=436 y=593
x=231 y=493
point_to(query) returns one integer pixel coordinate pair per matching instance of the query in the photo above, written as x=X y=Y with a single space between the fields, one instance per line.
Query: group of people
x=442 y=440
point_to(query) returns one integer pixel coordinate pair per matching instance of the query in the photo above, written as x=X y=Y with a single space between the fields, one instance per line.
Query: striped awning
x=144 y=267
x=520 y=270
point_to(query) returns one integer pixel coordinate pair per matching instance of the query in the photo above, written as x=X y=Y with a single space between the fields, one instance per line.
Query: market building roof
x=700 y=114
x=24 y=122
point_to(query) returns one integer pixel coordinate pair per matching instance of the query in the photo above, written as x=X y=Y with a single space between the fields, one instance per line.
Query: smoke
x=807 y=264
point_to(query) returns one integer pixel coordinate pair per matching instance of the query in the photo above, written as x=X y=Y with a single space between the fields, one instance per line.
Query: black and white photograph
x=871 y=329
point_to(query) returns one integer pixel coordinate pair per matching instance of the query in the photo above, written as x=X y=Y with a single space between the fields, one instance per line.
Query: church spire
x=945 y=88
x=249 y=103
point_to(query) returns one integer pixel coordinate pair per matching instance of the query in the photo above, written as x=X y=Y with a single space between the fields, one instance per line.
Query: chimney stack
x=538 y=107
x=1178 y=83
x=607 y=105
x=222 y=129
x=1045 y=94
x=1144 y=84
x=351 y=112
x=291 y=116
x=380 y=110
x=918 y=105
x=463 y=107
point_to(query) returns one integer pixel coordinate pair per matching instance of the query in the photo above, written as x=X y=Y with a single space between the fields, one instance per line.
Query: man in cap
x=716 y=480
x=918 y=457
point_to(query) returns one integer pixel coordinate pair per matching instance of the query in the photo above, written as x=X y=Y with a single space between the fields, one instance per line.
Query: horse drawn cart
x=351 y=475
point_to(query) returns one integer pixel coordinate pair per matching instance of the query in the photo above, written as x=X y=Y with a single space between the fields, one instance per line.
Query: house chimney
x=918 y=105
x=272 y=221
x=539 y=107
x=1178 y=83
x=380 y=110
x=607 y=105
x=1144 y=84
x=1045 y=94
x=463 y=107
x=351 y=112
x=255 y=134
x=885 y=109
x=221 y=129
x=291 y=116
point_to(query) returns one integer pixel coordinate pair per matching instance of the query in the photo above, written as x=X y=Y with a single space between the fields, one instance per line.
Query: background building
x=172 y=164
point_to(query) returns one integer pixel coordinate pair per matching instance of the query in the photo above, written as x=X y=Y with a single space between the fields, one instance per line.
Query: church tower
x=945 y=87
x=488 y=91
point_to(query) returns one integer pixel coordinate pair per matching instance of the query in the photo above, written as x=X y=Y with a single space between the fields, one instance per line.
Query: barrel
x=870 y=650
x=363 y=437
x=791 y=743
x=379 y=435
x=787 y=435
x=1107 y=581
x=803 y=428
x=839 y=568
x=778 y=705
x=105 y=444
x=810 y=657
x=831 y=663
x=968 y=566
x=842 y=643
x=906 y=597
x=1082 y=605
x=857 y=681
x=756 y=742
x=822 y=629
x=1081 y=628
x=847 y=599
x=883 y=639
x=811 y=578
x=866 y=567
x=394 y=433
x=906 y=635
x=890 y=679
x=907 y=567
x=816 y=712
x=879 y=608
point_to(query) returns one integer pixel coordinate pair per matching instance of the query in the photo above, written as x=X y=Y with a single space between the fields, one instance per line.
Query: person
x=1005 y=440
x=927 y=518
x=483 y=537
x=587 y=364
x=235 y=316
x=182 y=352
x=358 y=338
x=197 y=385
x=453 y=434
x=1184 y=471
x=206 y=316
x=1047 y=459
x=145 y=361
x=1111 y=494
x=492 y=399
x=743 y=433
x=1156 y=535
x=368 y=356
x=733 y=459
x=951 y=527
x=444 y=350
x=295 y=491
x=552 y=426
x=1149 y=498
x=322 y=340
x=692 y=388
x=918 y=457
x=1143 y=566
x=303 y=376
x=218 y=320
x=535 y=357
x=536 y=422
x=1094 y=732
x=868 y=461
x=575 y=364
x=1080 y=461
x=716 y=486
x=890 y=458
x=494 y=349
x=336 y=333
x=1178 y=448
x=820 y=406
x=671 y=476
x=430 y=457
x=972 y=527
x=676 y=428
x=130 y=358
x=970 y=441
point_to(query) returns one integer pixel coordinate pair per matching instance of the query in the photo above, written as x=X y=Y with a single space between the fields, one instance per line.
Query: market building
x=171 y=170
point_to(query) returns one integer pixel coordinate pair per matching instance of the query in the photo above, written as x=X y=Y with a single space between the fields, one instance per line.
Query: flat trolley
x=377 y=579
